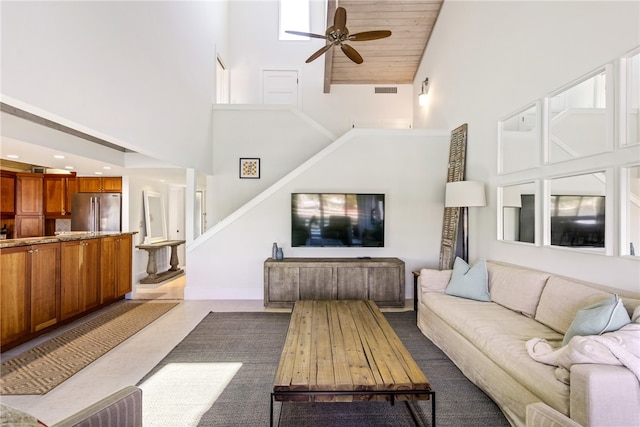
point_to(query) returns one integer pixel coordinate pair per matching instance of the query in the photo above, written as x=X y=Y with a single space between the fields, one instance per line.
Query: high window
x=294 y=16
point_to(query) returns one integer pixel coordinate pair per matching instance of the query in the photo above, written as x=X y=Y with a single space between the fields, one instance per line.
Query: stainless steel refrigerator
x=95 y=212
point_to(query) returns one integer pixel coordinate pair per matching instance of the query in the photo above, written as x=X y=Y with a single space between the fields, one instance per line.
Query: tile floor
x=127 y=363
x=130 y=361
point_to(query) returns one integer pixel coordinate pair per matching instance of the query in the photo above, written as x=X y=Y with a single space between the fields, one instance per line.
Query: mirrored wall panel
x=577 y=211
x=633 y=100
x=519 y=213
x=579 y=120
x=632 y=240
x=520 y=137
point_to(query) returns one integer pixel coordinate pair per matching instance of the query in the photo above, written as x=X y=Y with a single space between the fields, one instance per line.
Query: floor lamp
x=463 y=194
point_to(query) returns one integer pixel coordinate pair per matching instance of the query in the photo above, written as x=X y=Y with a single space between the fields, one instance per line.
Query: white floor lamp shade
x=462 y=194
x=465 y=193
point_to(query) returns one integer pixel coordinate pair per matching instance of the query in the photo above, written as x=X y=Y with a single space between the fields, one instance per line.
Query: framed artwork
x=250 y=168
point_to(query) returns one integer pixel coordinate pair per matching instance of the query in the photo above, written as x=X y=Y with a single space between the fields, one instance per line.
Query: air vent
x=386 y=90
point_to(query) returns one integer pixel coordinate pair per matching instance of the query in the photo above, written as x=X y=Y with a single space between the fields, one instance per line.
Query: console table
x=152 y=265
x=292 y=279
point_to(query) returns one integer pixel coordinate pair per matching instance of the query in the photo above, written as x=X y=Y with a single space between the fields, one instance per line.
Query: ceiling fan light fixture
x=338 y=33
x=424 y=93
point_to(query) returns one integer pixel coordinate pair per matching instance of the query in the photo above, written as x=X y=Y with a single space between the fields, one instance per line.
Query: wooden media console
x=293 y=279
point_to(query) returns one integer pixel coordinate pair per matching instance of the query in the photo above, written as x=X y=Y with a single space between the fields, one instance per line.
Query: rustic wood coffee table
x=345 y=351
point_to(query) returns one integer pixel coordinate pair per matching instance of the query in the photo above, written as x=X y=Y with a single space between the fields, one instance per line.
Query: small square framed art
x=250 y=168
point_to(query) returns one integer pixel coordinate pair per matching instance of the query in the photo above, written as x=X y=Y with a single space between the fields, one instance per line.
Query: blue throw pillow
x=606 y=316
x=469 y=282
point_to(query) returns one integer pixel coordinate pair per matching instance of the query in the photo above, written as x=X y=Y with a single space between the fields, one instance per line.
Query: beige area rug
x=47 y=365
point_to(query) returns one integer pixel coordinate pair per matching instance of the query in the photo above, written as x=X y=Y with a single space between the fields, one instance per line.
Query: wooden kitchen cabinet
x=29 y=217
x=115 y=266
x=45 y=285
x=57 y=195
x=7 y=193
x=29 y=194
x=107 y=184
x=29 y=226
x=14 y=294
x=79 y=277
x=125 y=249
x=379 y=279
x=30 y=290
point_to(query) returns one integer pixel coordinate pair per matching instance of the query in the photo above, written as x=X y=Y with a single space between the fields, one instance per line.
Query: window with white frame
x=294 y=16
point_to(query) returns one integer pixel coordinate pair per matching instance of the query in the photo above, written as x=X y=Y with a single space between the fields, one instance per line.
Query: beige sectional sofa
x=487 y=341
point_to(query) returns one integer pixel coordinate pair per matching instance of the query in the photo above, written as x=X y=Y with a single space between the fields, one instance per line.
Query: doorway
x=172 y=289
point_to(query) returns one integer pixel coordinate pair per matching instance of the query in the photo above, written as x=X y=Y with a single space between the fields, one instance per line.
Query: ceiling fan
x=338 y=34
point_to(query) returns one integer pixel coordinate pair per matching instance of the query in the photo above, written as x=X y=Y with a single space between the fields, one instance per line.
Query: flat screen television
x=337 y=220
x=577 y=221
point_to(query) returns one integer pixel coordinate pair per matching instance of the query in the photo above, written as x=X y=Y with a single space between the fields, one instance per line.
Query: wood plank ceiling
x=392 y=60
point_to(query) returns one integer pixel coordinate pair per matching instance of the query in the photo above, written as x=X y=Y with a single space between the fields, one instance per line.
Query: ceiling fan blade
x=319 y=53
x=369 y=35
x=300 y=33
x=351 y=53
x=340 y=19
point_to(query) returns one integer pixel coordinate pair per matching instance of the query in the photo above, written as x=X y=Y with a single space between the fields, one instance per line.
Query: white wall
x=140 y=74
x=258 y=48
x=488 y=59
x=408 y=166
x=280 y=136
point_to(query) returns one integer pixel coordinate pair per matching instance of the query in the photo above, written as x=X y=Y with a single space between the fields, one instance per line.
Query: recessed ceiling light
x=58 y=156
x=12 y=156
x=98 y=173
x=68 y=167
x=106 y=167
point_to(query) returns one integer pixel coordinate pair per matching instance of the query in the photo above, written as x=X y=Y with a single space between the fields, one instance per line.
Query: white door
x=280 y=87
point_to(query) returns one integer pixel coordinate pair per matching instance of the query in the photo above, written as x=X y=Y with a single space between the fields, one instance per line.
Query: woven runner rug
x=47 y=365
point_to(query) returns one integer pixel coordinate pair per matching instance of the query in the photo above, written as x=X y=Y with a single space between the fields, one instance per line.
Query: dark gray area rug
x=256 y=340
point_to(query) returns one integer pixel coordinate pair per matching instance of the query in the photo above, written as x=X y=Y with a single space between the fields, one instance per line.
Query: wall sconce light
x=422 y=98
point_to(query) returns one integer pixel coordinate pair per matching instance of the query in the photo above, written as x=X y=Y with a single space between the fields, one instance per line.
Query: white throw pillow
x=606 y=316
x=469 y=282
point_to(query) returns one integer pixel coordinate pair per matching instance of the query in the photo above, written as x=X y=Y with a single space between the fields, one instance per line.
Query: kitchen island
x=48 y=281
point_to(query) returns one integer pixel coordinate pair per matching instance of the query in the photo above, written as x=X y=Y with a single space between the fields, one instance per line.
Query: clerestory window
x=294 y=16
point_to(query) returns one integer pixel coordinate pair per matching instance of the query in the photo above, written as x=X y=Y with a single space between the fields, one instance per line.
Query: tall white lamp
x=463 y=194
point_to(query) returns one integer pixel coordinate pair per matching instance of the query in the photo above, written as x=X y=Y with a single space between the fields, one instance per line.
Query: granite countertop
x=64 y=236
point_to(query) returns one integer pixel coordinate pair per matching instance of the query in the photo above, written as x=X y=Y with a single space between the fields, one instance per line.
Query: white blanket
x=621 y=347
